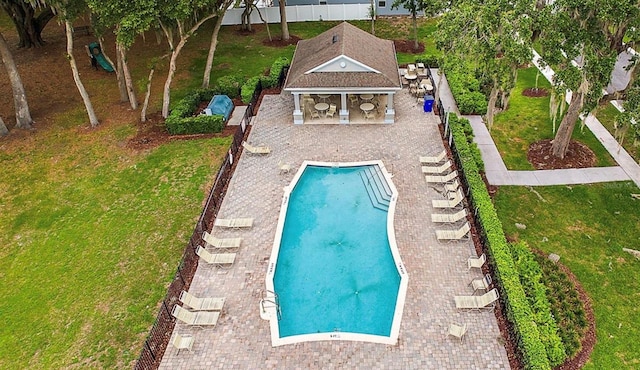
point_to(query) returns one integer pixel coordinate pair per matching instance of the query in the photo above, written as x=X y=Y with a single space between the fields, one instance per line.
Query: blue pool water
x=335 y=270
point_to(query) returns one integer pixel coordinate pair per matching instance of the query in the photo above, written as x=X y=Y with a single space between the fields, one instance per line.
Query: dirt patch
x=278 y=42
x=532 y=92
x=407 y=47
x=578 y=156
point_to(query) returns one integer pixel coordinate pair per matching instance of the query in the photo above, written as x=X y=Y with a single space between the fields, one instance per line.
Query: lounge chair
x=216 y=259
x=452 y=187
x=460 y=234
x=473 y=302
x=234 y=223
x=284 y=167
x=256 y=149
x=442 y=179
x=476 y=262
x=225 y=243
x=438 y=169
x=201 y=304
x=457 y=331
x=182 y=341
x=454 y=200
x=199 y=318
x=482 y=283
x=447 y=218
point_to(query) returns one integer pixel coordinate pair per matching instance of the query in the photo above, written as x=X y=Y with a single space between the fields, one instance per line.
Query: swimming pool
x=335 y=267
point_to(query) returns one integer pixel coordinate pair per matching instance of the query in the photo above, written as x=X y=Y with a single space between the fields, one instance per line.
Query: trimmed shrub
x=181 y=120
x=248 y=88
x=230 y=85
x=513 y=295
x=531 y=279
x=267 y=81
x=465 y=87
x=429 y=60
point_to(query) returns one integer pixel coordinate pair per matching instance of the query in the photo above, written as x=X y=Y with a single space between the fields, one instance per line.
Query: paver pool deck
x=437 y=271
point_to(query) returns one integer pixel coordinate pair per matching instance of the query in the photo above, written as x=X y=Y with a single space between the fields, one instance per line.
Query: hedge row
x=181 y=121
x=465 y=87
x=531 y=278
x=267 y=81
x=429 y=60
x=516 y=302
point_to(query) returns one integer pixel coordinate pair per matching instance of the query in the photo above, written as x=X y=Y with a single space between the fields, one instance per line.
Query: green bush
x=531 y=278
x=516 y=303
x=267 y=82
x=230 y=85
x=429 y=60
x=248 y=88
x=465 y=87
x=181 y=120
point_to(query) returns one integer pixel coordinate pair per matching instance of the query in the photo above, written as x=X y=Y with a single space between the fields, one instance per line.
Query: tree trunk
x=28 y=26
x=131 y=93
x=246 y=16
x=266 y=24
x=561 y=142
x=23 y=115
x=491 y=106
x=415 y=31
x=3 y=128
x=212 y=50
x=122 y=86
x=143 y=113
x=93 y=119
x=283 y=20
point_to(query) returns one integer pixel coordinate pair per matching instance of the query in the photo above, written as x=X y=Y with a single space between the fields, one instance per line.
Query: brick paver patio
x=437 y=272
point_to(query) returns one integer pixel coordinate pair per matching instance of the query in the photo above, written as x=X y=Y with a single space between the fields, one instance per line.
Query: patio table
x=324 y=97
x=322 y=107
x=366 y=97
x=367 y=107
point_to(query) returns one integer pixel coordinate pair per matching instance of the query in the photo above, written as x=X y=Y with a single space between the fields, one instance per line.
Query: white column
x=344 y=112
x=298 y=118
x=390 y=113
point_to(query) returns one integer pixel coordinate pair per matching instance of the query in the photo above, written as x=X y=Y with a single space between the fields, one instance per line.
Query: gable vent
x=335 y=39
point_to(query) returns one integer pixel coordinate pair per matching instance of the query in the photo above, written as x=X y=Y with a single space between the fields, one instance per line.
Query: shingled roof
x=344 y=40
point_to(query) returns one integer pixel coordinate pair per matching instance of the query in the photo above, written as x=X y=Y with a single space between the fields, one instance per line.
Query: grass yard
x=588 y=226
x=527 y=121
x=606 y=114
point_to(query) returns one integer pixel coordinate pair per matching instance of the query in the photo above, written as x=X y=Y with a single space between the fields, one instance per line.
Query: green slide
x=96 y=52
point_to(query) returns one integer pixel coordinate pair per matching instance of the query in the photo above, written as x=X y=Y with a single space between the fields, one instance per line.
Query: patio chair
x=473 y=302
x=182 y=341
x=332 y=110
x=438 y=169
x=435 y=159
x=233 y=223
x=198 y=319
x=452 y=186
x=421 y=70
x=284 y=167
x=225 y=243
x=457 y=331
x=446 y=218
x=256 y=149
x=482 y=283
x=452 y=201
x=216 y=259
x=476 y=262
x=353 y=100
x=369 y=115
x=454 y=235
x=411 y=68
x=442 y=179
x=201 y=304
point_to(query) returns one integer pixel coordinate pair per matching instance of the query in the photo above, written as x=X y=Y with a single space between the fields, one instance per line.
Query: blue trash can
x=428 y=103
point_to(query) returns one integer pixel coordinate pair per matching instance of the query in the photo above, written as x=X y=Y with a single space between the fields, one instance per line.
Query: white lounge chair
x=482 y=283
x=436 y=159
x=454 y=200
x=234 y=223
x=224 y=243
x=201 y=304
x=442 y=179
x=473 y=302
x=284 y=167
x=182 y=341
x=458 y=331
x=216 y=259
x=438 y=169
x=256 y=149
x=200 y=318
x=460 y=234
x=447 y=218
x=476 y=262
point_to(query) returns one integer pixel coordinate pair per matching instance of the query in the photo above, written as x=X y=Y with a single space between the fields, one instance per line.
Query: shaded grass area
x=588 y=226
x=92 y=235
x=606 y=114
x=527 y=121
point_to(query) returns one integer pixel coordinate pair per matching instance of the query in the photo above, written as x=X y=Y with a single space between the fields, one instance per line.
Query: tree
x=219 y=14
x=28 y=25
x=413 y=6
x=23 y=115
x=282 y=5
x=93 y=119
x=592 y=34
x=3 y=128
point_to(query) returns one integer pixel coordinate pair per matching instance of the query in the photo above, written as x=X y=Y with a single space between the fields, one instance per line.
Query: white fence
x=302 y=13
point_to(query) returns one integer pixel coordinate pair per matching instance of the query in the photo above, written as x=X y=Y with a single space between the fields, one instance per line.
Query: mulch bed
x=407 y=47
x=578 y=156
x=532 y=92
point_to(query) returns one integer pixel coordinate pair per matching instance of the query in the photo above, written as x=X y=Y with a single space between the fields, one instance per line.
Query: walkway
x=437 y=272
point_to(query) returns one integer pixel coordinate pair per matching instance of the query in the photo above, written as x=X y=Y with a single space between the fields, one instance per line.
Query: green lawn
x=606 y=114
x=588 y=226
x=527 y=121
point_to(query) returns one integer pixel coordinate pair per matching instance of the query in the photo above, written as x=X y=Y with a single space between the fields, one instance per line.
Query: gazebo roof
x=366 y=61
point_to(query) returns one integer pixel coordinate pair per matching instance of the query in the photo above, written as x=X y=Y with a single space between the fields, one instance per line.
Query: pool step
x=377 y=187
